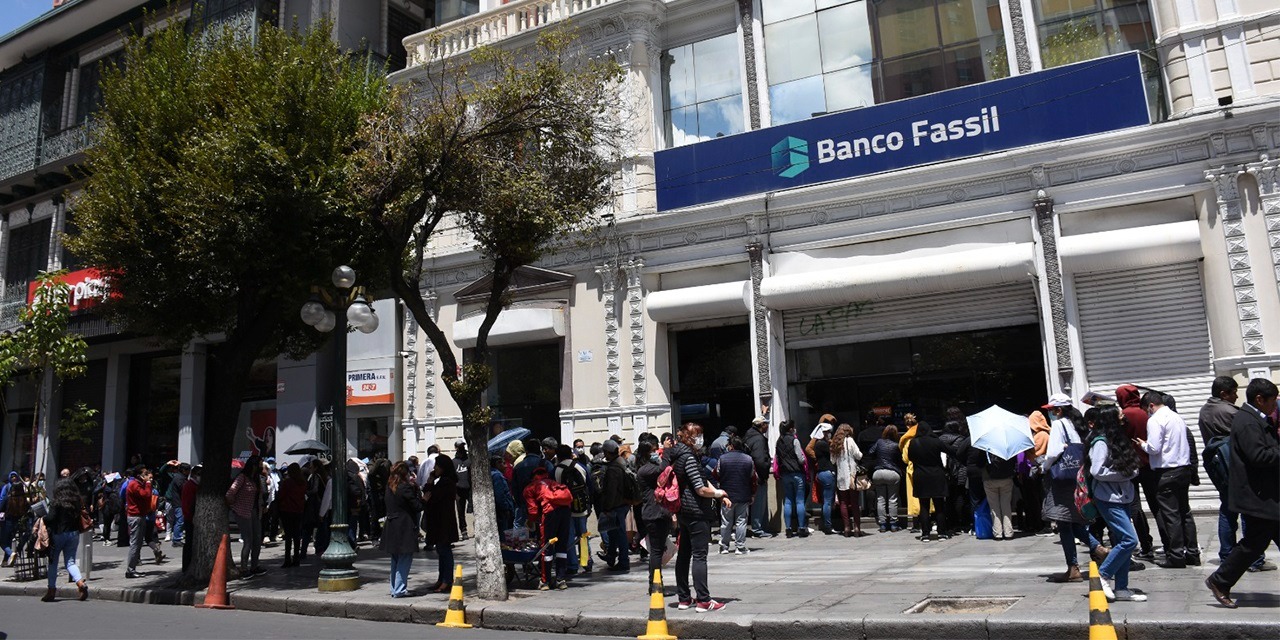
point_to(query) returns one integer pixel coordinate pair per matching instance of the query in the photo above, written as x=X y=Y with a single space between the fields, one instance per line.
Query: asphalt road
x=23 y=618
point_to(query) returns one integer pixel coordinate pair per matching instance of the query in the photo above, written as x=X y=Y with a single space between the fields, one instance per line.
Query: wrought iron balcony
x=65 y=143
x=15 y=298
x=18 y=159
x=505 y=21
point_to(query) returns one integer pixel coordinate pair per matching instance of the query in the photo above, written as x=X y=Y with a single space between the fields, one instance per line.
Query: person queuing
x=1254 y=486
x=1215 y=430
x=1114 y=465
x=547 y=504
x=1135 y=418
x=697 y=512
x=824 y=469
x=655 y=519
x=318 y=512
x=573 y=475
x=245 y=497
x=292 y=498
x=617 y=493
x=1068 y=428
x=399 y=538
x=504 y=503
x=955 y=443
x=913 y=501
x=463 y=464
x=756 y=441
x=792 y=469
x=439 y=518
x=886 y=477
x=844 y=455
x=1169 y=448
x=736 y=474
x=924 y=452
x=189 y=490
x=13 y=500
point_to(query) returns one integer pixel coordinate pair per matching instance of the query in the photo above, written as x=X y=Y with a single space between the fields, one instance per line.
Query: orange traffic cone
x=456 y=616
x=215 y=597
x=657 y=629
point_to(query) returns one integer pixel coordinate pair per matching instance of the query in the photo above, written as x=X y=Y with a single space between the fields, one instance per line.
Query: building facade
x=150 y=397
x=1129 y=232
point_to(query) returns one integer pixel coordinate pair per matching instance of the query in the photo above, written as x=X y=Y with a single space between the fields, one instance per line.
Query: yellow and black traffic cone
x=456 y=616
x=1100 y=627
x=657 y=629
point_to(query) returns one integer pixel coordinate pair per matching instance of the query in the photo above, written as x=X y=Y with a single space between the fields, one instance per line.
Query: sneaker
x=1107 y=589
x=709 y=606
x=1148 y=555
x=1136 y=566
x=724 y=551
x=741 y=552
x=803 y=533
x=1265 y=565
x=542 y=586
x=562 y=585
x=883 y=528
x=1126 y=595
x=132 y=574
x=684 y=604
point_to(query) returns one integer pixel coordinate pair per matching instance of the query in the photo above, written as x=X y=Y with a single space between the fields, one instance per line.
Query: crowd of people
x=1084 y=478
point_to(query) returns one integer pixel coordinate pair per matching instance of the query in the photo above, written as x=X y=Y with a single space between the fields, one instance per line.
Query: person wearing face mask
x=573 y=475
x=736 y=473
x=697 y=511
x=655 y=520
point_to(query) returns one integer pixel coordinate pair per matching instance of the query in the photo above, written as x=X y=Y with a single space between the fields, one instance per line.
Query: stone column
x=55 y=233
x=1267 y=172
x=115 y=412
x=412 y=423
x=608 y=293
x=759 y=329
x=1047 y=228
x=635 y=312
x=191 y=404
x=746 y=20
x=1225 y=183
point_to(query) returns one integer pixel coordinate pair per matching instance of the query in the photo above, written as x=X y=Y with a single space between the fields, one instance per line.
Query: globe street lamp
x=328 y=304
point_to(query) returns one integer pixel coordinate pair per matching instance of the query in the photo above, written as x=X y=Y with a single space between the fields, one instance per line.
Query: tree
x=214 y=201
x=515 y=153
x=44 y=352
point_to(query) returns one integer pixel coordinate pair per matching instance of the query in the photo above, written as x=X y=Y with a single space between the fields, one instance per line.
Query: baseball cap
x=1057 y=400
x=760 y=420
x=549 y=443
x=610 y=446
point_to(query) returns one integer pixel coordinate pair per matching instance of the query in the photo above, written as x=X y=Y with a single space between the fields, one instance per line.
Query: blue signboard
x=1064 y=102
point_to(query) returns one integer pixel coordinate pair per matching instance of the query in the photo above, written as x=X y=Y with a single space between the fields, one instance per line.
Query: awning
x=968 y=269
x=723 y=300
x=513 y=326
x=1150 y=246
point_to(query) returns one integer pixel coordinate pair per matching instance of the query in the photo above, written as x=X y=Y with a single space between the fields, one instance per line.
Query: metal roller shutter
x=987 y=308
x=1148 y=327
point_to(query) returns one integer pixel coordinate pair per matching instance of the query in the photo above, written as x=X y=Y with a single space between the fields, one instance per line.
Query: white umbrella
x=1000 y=432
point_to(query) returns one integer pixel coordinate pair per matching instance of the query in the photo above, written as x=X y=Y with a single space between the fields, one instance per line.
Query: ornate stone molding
x=1267 y=172
x=634 y=269
x=428 y=360
x=608 y=293
x=1226 y=184
x=1045 y=223
x=746 y=18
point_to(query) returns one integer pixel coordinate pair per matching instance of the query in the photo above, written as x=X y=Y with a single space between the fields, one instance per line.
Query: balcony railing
x=503 y=22
x=65 y=143
x=18 y=158
x=15 y=298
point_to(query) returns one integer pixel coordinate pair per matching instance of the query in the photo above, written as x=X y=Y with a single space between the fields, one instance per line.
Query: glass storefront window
x=1077 y=30
x=845 y=54
x=702 y=91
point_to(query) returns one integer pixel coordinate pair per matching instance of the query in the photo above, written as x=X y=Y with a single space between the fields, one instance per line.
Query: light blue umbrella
x=498 y=443
x=999 y=432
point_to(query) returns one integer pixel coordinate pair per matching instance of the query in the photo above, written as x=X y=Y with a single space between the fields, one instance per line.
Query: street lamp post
x=327 y=305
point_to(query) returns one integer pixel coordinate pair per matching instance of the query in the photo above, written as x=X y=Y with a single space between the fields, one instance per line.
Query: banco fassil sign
x=1065 y=102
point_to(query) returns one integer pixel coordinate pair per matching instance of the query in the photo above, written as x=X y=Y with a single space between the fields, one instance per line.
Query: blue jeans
x=616 y=549
x=178 y=521
x=760 y=506
x=7 y=529
x=577 y=529
x=400 y=564
x=1227 y=527
x=793 y=501
x=66 y=544
x=1116 y=566
x=445 y=554
x=1069 y=532
x=827 y=483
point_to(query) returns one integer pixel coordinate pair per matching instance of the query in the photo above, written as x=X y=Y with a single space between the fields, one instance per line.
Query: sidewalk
x=822 y=586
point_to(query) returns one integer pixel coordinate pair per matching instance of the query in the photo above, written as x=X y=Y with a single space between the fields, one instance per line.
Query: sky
x=15 y=13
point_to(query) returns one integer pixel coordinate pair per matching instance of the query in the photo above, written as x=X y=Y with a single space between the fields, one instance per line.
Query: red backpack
x=558 y=494
x=667 y=493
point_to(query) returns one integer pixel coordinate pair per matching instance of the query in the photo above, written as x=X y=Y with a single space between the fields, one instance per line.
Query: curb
x=517 y=615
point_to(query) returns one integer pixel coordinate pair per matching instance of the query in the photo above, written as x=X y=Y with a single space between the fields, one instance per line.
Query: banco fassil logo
x=790 y=157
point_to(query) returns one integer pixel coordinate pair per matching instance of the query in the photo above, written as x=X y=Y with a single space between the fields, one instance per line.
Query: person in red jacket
x=292 y=500
x=188 y=498
x=139 y=502
x=1135 y=419
x=547 y=503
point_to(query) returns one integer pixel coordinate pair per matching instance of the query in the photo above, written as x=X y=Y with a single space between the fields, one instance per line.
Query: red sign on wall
x=88 y=288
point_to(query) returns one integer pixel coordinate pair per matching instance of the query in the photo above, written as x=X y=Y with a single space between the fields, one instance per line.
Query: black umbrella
x=307 y=446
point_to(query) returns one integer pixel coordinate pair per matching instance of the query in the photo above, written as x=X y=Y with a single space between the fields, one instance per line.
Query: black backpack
x=463 y=467
x=597 y=477
x=1217 y=462
x=572 y=478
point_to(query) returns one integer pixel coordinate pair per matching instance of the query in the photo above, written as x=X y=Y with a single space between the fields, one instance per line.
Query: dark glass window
x=1077 y=30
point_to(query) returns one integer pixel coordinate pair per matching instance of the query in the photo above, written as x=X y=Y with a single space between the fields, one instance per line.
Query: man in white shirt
x=1169 y=447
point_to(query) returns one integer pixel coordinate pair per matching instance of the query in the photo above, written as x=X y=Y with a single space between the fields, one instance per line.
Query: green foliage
x=78 y=421
x=214 y=196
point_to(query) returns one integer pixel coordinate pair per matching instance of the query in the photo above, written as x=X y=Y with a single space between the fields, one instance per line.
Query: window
x=830 y=55
x=703 y=90
x=28 y=254
x=445 y=11
x=89 y=95
x=1076 y=30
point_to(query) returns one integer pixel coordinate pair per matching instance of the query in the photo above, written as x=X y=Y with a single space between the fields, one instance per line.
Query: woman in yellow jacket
x=913 y=503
